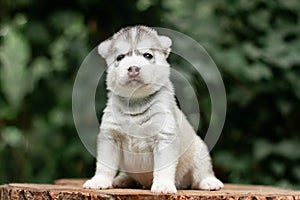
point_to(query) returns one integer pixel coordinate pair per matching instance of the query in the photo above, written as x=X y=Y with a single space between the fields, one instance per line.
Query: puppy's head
x=137 y=61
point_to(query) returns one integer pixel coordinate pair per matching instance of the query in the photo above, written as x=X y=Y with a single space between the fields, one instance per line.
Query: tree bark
x=72 y=189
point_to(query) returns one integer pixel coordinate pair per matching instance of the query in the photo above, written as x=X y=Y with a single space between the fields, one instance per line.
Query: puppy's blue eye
x=120 y=57
x=148 y=55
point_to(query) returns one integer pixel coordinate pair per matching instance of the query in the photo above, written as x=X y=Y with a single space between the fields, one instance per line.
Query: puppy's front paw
x=98 y=182
x=211 y=183
x=163 y=186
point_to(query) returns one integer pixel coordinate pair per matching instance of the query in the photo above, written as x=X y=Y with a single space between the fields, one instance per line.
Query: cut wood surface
x=72 y=189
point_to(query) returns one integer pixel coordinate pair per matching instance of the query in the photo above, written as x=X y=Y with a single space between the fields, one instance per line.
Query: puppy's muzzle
x=133 y=71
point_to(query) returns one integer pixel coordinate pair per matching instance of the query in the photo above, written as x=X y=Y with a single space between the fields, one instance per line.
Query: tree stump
x=72 y=189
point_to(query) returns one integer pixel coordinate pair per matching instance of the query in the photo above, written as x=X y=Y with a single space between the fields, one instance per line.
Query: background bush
x=255 y=44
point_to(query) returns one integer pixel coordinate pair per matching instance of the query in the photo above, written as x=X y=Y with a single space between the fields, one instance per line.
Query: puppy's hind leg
x=123 y=180
x=202 y=173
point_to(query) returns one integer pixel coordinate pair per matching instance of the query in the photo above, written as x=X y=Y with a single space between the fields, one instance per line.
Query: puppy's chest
x=139 y=134
x=132 y=144
x=142 y=127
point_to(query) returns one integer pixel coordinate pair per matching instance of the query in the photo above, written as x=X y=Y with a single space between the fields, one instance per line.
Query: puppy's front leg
x=107 y=164
x=165 y=163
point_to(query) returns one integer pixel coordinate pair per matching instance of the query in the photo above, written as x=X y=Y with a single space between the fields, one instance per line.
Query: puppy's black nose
x=133 y=71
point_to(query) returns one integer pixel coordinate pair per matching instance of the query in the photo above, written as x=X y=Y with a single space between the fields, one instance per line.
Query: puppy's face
x=136 y=59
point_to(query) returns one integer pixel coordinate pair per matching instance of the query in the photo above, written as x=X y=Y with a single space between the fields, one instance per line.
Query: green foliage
x=254 y=43
x=41 y=48
x=38 y=139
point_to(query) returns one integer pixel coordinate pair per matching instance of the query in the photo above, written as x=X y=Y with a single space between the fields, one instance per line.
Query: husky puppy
x=144 y=137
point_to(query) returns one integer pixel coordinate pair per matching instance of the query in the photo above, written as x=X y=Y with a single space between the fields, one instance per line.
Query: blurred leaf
x=278 y=168
x=57 y=117
x=6 y=111
x=296 y=172
x=285 y=107
x=257 y=71
x=143 y=5
x=252 y=51
x=40 y=68
x=288 y=148
x=264 y=17
x=291 y=5
x=235 y=63
x=294 y=81
x=12 y=136
x=37 y=33
x=58 y=48
x=262 y=149
x=14 y=56
x=72 y=42
x=279 y=52
x=241 y=96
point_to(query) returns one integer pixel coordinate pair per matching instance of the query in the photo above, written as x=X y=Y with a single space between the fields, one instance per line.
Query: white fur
x=143 y=133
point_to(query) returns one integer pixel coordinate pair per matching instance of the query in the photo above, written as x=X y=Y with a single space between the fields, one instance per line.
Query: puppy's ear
x=166 y=43
x=103 y=48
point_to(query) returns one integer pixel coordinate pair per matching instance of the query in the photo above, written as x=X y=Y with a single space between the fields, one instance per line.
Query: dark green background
x=255 y=44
